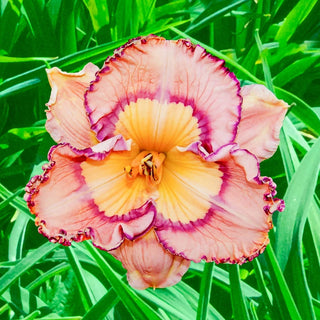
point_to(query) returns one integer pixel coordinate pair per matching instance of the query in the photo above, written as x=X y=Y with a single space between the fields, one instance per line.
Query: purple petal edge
x=33 y=187
x=105 y=130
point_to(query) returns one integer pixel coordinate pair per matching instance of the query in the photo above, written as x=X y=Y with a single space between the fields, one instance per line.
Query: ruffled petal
x=187 y=186
x=261 y=120
x=167 y=71
x=67 y=207
x=66 y=118
x=149 y=264
x=235 y=228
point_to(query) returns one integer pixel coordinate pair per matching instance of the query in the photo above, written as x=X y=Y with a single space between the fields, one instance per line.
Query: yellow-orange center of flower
x=147 y=163
x=156 y=167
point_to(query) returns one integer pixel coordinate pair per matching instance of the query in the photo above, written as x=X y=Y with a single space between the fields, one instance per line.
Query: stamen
x=147 y=164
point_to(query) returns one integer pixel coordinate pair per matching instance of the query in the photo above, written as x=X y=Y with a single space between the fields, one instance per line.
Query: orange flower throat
x=147 y=163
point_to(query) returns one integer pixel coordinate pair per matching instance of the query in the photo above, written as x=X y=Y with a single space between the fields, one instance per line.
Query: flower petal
x=235 y=228
x=149 y=264
x=66 y=209
x=167 y=71
x=188 y=183
x=158 y=127
x=114 y=193
x=66 y=118
x=261 y=120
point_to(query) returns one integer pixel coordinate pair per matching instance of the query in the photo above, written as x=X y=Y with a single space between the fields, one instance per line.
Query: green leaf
x=66 y=22
x=294 y=70
x=205 y=291
x=40 y=27
x=212 y=13
x=282 y=294
x=137 y=307
x=239 y=307
x=15 y=201
x=56 y=270
x=192 y=296
x=20 y=139
x=170 y=301
x=262 y=285
x=6 y=59
x=103 y=306
x=298 y=199
x=311 y=244
x=17 y=237
x=301 y=110
x=288 y=153
x=296 y=16
x=265 y=64
x=19 y=87
x=24 y=265
x=221 y=279
x=298 y=282
x=99 y=13
x=10 y=15
x=84 y=289
x=23 y=302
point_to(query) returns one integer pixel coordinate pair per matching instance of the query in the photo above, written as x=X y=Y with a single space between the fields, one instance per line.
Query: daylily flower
x=158 y=160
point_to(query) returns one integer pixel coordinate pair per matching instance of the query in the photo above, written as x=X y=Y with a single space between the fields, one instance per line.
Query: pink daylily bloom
x=158 y=161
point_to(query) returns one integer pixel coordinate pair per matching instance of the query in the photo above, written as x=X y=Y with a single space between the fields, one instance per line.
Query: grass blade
x=312 y=252
x=298 y=283
x=239 y=307
x=281 y=291
x=205 y=291
x=295 y=69
x=297 y=15
x=204 y=19
x=103 y=306
x=262 y=285
x=84 y=289
x=298 y=199
x=99 y=13
x=15 y=200
x=265 y=65
x=24 y=265
x=301 y=110
x=58 y=269
x=138 y=309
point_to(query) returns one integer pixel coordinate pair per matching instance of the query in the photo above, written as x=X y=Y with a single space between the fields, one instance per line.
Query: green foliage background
x=272 y=42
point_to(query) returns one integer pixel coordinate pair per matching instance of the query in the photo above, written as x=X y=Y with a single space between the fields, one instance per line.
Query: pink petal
x=66 y=118
x=235 y=228
x=149 y=264
x=66 y=209
x=261 y=120
x=167 y=71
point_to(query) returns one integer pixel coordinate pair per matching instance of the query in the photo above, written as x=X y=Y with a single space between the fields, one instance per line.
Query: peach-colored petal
x=66 y=209
x=167 y=71
x=114 y=193
x=66 y=118
x=235 y=228
x=158 y=127
x=187 y=186
x=261 y=120
x=149 y=264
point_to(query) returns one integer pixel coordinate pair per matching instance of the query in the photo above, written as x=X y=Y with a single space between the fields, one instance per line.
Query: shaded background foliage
x=272 y=42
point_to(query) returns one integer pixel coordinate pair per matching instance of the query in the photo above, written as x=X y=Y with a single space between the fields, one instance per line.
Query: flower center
x=146 y=163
